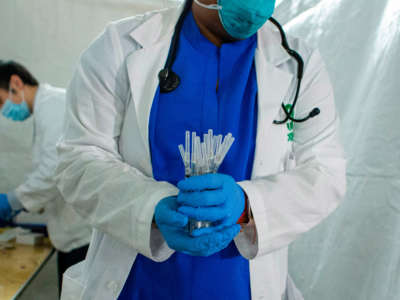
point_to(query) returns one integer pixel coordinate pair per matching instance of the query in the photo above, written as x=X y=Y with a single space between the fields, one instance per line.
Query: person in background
x=22 y=97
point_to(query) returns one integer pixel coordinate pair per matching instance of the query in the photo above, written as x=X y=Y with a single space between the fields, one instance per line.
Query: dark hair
x=9 y=68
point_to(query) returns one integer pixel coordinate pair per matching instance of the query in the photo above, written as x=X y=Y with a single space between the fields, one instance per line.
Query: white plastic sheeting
x=355 y=254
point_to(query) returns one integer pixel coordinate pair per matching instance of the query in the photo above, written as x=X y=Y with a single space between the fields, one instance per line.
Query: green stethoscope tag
x=290 y=124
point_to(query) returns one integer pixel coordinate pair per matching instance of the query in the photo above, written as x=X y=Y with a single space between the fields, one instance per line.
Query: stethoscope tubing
x=169 y=80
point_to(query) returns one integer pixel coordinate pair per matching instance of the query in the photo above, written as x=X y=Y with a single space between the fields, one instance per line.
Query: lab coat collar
x=269 y=39
x=161 y=24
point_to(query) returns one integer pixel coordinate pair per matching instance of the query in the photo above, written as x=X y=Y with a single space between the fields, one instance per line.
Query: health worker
x=221 y=65
x=22 y=97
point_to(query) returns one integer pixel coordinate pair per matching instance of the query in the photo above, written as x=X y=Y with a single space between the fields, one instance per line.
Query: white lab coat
x=105 y=167
x=67 y=230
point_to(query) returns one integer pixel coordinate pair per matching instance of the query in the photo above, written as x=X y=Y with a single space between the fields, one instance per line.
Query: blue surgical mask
x=242 y=18
x=15 y=112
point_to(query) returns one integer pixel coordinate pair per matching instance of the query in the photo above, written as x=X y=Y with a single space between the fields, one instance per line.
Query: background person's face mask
x=242 y=18
x=15 y=112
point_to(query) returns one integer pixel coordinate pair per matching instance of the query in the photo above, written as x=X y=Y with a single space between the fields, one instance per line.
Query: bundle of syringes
x=202 y=158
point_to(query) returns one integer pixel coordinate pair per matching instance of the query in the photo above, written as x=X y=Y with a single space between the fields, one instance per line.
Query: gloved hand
x=5 y=208
x=173 y=226
x=211 y=197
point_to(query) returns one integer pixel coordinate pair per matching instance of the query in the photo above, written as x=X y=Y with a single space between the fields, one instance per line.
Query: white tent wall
x=354 y=254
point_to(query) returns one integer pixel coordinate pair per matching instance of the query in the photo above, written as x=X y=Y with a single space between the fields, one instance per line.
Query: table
x=19 y=266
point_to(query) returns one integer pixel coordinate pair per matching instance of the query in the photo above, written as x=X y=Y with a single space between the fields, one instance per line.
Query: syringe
x=203 y=158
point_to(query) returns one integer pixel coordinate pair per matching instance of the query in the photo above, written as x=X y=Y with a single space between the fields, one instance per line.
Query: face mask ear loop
x=209 y=6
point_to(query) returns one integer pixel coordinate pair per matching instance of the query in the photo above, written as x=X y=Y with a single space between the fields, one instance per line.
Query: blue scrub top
x=218 y=91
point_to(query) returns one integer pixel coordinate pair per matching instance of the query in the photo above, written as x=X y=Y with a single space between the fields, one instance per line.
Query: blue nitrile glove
x=211 y=197
x=5 y=208
x=172 y=225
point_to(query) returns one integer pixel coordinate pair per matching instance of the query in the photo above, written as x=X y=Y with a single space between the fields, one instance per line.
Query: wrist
x=244 y=218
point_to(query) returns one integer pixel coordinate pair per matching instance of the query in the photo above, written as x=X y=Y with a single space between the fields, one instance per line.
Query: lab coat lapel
x=273 y=82
x=154 y=36
x=273 y=86
x=143 y=68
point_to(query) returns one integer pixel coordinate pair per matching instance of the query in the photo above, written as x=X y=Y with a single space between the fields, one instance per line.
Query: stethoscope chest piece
x=169 y=80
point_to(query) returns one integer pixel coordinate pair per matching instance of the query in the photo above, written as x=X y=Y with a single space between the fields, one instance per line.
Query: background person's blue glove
x=211 y=197
x=5 y=208
x=173 y=226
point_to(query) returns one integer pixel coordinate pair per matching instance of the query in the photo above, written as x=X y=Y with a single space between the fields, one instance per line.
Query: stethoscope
x=169 y=80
